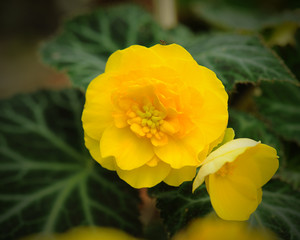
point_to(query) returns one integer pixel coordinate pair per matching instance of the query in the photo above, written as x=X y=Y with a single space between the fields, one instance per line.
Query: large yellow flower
x=234 y=175
x=153 y=115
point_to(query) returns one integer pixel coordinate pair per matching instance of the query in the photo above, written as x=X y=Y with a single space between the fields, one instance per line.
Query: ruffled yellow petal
x=226 y=153
x=132 y=58
x=99 y=86
x=212 y=124
x=258 y=163
x=178 y=176
x=203 y=154
x=233 y=198
x=98 y=108
x=178 y=153
x=172 y=54
x=95 y=118
x=129 y=151
x=145 y=176
x=94 y=148
x=215 y=99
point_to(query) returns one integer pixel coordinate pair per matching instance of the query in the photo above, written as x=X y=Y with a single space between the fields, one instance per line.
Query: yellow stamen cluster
x=145 y=122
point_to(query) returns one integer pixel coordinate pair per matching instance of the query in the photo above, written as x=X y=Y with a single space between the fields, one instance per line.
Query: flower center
x=146 y=122
x=225 y=170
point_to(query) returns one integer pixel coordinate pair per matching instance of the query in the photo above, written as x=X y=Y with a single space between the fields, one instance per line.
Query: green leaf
x=246 y=125
x=227 y=16
x=87 y=41
x=290 y=176
x=279 y=210
x=279 y=106
x=179 y=205
x=238 y=58
x=290 y=172
x=235 y=17
x=49 y=183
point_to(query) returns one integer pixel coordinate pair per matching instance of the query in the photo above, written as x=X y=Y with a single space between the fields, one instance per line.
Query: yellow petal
x=206 y=82
x=172 y=53
x=214 y=114
x=178 y=153
x=178 y=176
x=129 y=150
x=98 y=108
x=226 y=153
x=160 y=141
x=145 y=176
x=99 y=85
x=233 y=199
x=132 y=58
x=203 y=154
x=94 y=148
x=210 y=123
x=95 y=118
x=258 y=163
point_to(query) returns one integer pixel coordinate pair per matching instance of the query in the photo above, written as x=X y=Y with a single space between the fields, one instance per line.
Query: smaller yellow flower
x=234 y=174
x=86 y=233
x=212 y=228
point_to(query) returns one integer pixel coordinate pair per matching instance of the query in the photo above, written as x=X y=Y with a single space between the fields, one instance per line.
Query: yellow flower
x=212 y=228
x=153 y=115
x=234 y=175
x=85 y=233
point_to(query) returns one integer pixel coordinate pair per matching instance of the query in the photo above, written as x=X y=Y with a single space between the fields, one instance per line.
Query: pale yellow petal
x=258 y=163
x=145 y=176
x=226 y=153
x=178 y=176
x=231 y=150
x=233 y=199
x=94 y=148
x=129 y=150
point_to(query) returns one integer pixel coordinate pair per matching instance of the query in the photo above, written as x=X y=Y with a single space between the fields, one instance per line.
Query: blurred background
x=25 y=24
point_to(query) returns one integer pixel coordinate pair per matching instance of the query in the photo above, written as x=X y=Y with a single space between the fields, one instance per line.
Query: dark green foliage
x=279 y=210
x=179 y=205
x=238 y=59
x=49 y=183
x=279 y=105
